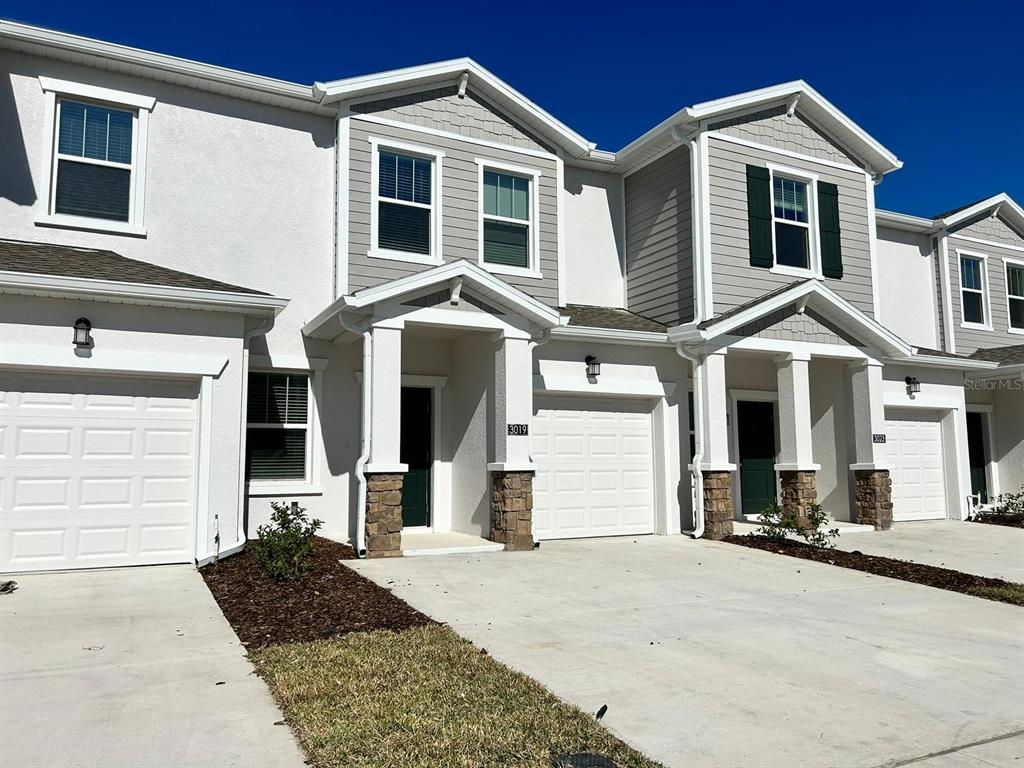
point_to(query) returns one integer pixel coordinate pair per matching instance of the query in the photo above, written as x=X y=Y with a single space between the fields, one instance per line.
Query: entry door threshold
x=416 y=544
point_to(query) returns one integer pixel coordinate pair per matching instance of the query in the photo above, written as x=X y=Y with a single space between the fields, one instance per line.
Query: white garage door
x=595 y=472
x=95 y=471
x=914 y=448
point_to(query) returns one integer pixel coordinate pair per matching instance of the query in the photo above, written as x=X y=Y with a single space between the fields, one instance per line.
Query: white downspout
x=364 y=453
x=698 y=440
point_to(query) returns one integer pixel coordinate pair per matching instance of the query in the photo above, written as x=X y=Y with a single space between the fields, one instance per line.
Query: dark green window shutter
x=759 y=216
x=828 y=228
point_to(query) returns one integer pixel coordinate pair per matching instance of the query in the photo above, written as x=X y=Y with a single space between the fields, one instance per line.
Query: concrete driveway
x=130 y=668
x=708 y=654
x=995 y=551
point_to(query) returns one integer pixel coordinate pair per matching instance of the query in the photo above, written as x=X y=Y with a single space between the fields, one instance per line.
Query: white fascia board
x=481 y=80
x=610 y=336
x=903 y=221
x=138 y=293
x=935 y=361
x=39 y=356
x=1005 y=203
x=195 y=74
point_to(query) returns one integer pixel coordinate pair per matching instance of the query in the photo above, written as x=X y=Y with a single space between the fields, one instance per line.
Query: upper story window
x=96 y=168
x=1015 y=294
x=973 y=291
x=277 y=427
x=792 y=221
x=405 y=224
x=508 y=218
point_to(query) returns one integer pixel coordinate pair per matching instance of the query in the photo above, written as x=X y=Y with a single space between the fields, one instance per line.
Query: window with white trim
x=1015 y=294
x=791 y=219
x=972 y=290
x=278 y=427
x=404 y=204
x=507 y=219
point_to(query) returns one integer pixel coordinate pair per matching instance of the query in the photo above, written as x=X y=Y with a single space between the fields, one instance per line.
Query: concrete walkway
x=130 y=668
x=985 y=550
x=709 y=654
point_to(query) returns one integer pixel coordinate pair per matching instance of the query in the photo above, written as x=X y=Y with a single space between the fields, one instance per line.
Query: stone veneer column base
x=718 y=510
x=874 y=498
x=798 y=490
x=384 y=515
x=512 y=510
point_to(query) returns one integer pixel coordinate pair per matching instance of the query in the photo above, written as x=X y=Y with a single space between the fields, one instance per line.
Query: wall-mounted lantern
x=913 y=385
x=593 y=367
x=82 y=328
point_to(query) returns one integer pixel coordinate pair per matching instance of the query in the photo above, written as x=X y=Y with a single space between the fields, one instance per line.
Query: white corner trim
x=604 y=386
x=95 y=93
x=288 y=362
x=202 y=521
x=560 y=228
x=110 y=360
x=947 y=289
x=696 y=212
x=876 y=301
x=342 y=178
x=707 y=262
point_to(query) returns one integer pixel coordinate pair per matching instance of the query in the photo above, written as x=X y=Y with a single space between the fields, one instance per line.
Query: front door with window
x=755 y=424
x=976 y=454
x=416 y=451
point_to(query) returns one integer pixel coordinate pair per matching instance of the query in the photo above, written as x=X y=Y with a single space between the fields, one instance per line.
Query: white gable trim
x=1006 y=205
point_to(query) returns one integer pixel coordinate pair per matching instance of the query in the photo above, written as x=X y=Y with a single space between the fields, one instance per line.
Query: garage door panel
x=102 y=475
x=914 y=448
x=595 y=468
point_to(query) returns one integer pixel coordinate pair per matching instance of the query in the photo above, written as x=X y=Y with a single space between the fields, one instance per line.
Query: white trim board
x=110 y=360
x=605 y=386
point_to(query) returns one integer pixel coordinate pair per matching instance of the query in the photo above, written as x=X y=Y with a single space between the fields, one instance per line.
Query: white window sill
x=1016 y=331
x=91 y=225
x=781 y=269
x=502 y=269
x=975 y=326
x=283 y=488
x=412 y=258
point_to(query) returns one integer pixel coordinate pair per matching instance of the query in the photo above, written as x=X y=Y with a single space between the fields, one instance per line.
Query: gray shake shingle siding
x=987 y=228
x=93 y=264
x=659 y=239
x=774 y=128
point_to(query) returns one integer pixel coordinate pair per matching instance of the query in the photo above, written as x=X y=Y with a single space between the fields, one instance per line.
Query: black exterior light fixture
x=82 y=337
x=913 y=385
x=593 y=367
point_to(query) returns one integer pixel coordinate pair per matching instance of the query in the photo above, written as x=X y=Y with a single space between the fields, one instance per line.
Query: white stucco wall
x=594 y=238
x=906 y=287
x=46 y=322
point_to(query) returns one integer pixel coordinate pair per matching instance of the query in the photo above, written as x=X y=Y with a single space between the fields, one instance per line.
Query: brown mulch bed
x=329 y=601
x=929 y=575
x=1010 y=521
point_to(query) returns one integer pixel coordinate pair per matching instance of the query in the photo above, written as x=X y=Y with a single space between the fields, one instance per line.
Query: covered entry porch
x=446 y=400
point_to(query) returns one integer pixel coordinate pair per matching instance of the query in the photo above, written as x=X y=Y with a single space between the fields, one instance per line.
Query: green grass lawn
x=424 y=697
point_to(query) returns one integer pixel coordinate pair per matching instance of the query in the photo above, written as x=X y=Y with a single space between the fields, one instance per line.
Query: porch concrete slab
x=709 y=654
x=130 y=667
x=995 y=551
x=418 y=543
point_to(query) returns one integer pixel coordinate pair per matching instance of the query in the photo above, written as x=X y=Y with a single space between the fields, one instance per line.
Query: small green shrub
x=777 y=523
x=284 y=547
x=1008 y=510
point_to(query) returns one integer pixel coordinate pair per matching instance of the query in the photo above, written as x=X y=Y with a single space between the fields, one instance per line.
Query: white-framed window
x=279 y=428
x=1015 y=294
x=794 y=221
x=95 y=165
x=974 y=303
x=405 y=221
x=508 y=229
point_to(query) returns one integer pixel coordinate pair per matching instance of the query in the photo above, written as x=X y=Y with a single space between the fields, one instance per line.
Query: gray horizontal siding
x=774 y=128
x=969 y=339
x=441 y=108
x=659 y=240
x=735 y=282
x=459 y=208
x=995 y=230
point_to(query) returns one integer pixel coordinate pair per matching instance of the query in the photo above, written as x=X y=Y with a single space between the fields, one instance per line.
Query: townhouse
x=425 y=309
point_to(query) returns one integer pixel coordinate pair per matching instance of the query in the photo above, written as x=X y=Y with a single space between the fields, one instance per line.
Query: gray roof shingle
x=95 y=264
x=585 y=316
x=1011 y=355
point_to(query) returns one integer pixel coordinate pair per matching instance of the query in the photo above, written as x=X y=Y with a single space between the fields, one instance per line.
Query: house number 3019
x=518 y=429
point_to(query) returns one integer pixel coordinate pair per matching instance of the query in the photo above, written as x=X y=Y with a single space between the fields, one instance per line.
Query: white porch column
x=795 y=452
x=513 y=395
x=868 y=415
x=386 y=400
x=713 y=411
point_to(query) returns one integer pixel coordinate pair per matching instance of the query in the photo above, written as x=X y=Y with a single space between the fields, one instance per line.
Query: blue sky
x=939 y=83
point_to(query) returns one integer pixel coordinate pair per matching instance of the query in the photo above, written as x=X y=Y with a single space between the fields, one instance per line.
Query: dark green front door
x=756 y=430
x=416 y=451
x=976 y=454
